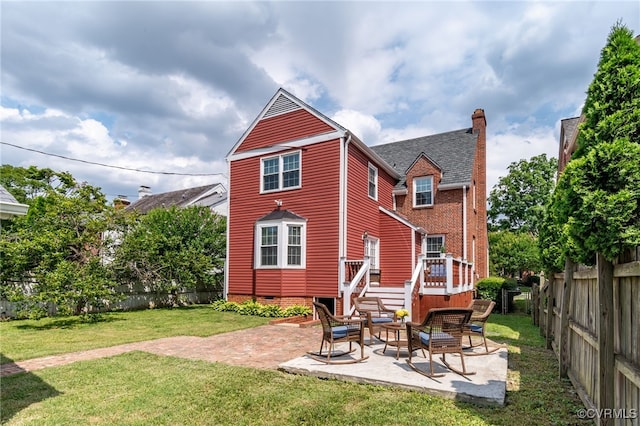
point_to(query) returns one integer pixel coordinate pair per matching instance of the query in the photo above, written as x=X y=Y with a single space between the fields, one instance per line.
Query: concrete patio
x=486 y=387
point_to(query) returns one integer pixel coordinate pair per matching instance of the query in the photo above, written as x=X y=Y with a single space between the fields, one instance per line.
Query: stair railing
x=354 y=279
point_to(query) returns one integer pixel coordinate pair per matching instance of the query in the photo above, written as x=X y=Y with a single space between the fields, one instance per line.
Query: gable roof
x=284 y=102
x=208 y=195
x=454 y=152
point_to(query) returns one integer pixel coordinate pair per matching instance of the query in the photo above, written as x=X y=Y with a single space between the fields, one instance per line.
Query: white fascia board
x=207 y=193
x=296 y=143
x=402 y=220
x=8 y=210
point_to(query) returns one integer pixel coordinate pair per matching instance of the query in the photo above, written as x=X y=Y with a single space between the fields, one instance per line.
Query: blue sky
x=171 y=86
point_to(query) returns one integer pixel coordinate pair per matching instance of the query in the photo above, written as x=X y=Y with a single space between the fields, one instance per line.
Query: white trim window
x=373 y=182
x=280 y=172
x=423 y=191
x=280 y=245
x=435 y=244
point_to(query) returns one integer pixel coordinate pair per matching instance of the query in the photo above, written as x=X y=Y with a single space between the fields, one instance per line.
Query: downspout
x=464 y=222
x=414 y=259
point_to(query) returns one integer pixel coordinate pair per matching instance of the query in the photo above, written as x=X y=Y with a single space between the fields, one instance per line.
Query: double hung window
x=423 y=191
x=280 y=172
x=373 y=181
x=435 y=243
x=280 y=244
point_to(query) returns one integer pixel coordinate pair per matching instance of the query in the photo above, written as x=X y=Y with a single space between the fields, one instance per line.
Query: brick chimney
x=120 y=202
x=143 y=191
x=479 y=123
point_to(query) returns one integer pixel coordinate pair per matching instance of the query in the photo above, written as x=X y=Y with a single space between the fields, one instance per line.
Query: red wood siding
x=294 y=125
x=316 y=200
x=362 y=211
x=396 y=251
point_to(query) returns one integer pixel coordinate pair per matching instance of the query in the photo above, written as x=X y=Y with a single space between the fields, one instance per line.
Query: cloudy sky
x=171 y=86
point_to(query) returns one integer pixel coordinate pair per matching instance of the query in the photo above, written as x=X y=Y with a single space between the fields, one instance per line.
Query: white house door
x=372 y=251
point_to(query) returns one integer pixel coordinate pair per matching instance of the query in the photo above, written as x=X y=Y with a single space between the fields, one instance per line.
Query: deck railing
x=446 y=275
x=431 y=276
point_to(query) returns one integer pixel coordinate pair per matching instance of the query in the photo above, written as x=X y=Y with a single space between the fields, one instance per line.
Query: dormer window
x=280 y=172
x=423 y=191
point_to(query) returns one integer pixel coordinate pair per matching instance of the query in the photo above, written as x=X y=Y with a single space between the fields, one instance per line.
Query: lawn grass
x=26 y=339
x=140 y=388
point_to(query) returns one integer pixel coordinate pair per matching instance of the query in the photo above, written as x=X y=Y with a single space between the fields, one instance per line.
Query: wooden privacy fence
x=595 y=332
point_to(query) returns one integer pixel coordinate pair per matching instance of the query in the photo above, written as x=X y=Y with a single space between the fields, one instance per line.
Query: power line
x=112 y=166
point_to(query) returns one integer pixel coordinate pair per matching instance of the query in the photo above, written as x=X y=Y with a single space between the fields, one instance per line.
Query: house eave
x=379 y=160
x=295 y=143
x=402 y=220
x=8 y=210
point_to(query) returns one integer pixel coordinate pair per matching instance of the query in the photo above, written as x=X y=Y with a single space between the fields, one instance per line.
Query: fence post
x=551 y=295
x=569 y=267
x=535 y=300
x=605 y=337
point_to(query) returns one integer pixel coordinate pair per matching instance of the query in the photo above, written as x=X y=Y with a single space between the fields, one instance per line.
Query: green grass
x=140 y=389
x=26 y=339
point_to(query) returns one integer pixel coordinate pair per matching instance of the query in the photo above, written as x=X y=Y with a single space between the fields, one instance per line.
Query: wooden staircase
x=392 y=297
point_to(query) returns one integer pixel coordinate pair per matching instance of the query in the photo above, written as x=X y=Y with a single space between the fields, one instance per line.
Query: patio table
x=397 y=339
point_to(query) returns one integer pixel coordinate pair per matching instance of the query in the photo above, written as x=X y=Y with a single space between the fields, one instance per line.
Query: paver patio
x=284 y=347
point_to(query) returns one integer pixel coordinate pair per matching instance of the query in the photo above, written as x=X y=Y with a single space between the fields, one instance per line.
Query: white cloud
x=172 y=86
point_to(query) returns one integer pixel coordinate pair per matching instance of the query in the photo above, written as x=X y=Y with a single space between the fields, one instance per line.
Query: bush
x=251 y=307
x=489 y=288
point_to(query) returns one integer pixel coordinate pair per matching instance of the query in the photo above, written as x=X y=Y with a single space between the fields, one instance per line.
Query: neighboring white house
x=9 y=206
x=213 y=196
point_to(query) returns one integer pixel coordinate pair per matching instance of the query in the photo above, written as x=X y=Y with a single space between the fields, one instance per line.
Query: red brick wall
x=283 y=302
x=444 y=217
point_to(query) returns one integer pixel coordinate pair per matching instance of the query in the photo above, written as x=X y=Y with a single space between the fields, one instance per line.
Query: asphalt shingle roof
x=181 y=197
x=453 y=152
x=6 y=197
x=279 y=214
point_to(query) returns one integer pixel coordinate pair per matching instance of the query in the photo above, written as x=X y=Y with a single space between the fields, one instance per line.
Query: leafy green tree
x=49 y=259
x=170 y=249
x=596 y=207
x=513 y=253
x=517 y=202
x=27 y=183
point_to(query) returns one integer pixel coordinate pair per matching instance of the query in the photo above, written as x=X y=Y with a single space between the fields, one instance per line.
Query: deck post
x=449 y=271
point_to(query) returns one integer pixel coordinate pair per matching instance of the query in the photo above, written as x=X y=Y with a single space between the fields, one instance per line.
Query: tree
x=517 y=202
x=170 y=249
x=596 y=206
x=27 y=183
x=50 y=257
x=513 y=253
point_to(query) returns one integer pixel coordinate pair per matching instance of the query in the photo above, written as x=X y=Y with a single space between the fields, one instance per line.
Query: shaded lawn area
x=141 y=388
x=26 y=339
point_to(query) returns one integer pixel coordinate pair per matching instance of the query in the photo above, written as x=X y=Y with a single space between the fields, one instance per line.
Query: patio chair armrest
x=354 y=320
